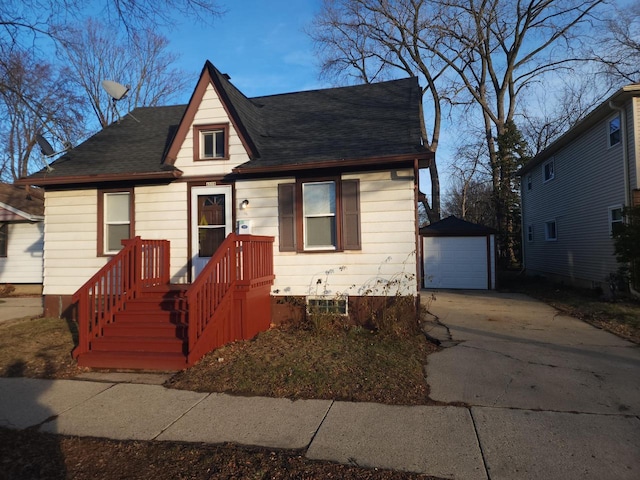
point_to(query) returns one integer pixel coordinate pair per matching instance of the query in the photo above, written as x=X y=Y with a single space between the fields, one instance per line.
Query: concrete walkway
x=515 y=375
x=20 y=307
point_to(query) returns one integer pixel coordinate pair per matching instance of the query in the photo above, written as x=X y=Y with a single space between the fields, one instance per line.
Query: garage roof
x=454 y=226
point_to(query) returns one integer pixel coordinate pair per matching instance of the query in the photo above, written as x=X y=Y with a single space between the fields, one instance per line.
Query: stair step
x=134 y=360
x=156 y=304
x=145 y=329
x=151 y=316
x=138 y=344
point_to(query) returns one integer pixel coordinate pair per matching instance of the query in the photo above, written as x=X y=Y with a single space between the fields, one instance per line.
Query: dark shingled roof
x=132 y=146
x=29 y=201
x=454 y=226
x=356 y=122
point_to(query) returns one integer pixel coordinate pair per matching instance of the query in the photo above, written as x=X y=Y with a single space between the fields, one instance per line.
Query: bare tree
x=369 y=41
x=618 y=50
x=481 y=54
x=470 y=195
x=52 y=109
x=140 y=61
x=35 y=24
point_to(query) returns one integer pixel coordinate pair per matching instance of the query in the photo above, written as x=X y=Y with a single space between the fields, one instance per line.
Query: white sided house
x=329 y=176
x=21 y=238
x=574 y=191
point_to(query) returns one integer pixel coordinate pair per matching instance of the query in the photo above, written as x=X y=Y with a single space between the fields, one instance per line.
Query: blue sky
x=260 y=44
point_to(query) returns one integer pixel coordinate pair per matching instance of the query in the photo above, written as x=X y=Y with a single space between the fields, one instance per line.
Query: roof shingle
x=355 y=122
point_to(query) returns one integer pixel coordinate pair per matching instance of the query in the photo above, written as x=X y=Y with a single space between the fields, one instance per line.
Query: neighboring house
x=21 y=237
x=331 y=174
x=574 y=191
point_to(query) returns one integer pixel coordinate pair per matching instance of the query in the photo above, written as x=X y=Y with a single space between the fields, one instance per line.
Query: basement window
x=327 y=306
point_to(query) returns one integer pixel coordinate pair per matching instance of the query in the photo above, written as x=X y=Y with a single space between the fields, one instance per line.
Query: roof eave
x=16 y=211
x=596 y=115
x=422 y=157
x=85 y=179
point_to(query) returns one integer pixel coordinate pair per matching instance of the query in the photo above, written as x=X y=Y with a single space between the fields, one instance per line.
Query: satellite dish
x=115 y=90
x=48 y=151
x=45 y=147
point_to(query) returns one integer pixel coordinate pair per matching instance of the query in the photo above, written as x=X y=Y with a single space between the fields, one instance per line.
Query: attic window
x=210 y=142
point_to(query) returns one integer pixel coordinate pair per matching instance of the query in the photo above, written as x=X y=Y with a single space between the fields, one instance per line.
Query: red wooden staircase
x=130 y=317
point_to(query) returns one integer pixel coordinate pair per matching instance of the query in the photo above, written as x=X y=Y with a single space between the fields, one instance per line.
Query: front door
x=211 y=222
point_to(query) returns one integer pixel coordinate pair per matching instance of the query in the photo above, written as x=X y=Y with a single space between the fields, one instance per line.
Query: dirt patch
x=31 y=455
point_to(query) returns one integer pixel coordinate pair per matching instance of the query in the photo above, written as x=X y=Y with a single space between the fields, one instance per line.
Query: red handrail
x=241 y=262
x=140 y=264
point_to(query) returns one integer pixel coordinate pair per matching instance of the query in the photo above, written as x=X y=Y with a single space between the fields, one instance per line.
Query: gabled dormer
x=218 y=130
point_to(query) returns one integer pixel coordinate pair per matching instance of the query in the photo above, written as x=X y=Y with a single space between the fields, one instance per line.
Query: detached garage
x=458 y=254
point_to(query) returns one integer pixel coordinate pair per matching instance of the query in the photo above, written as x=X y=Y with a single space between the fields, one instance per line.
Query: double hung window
x=615 y=133
x=116 y=220
x=319 y=215
x=550 y=231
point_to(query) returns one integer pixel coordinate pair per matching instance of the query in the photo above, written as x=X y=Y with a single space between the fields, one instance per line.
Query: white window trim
x=611 y=209
x=214 y=131
x=546 y=230
x=608 y=125
x=107 y=223
x=553 y=170
x=319 y=248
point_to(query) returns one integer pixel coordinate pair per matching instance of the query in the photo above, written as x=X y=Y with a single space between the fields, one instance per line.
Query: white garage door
x=455 y=262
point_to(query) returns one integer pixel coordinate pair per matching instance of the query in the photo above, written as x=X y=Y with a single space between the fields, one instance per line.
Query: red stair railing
x=230 y=298
x=140 y=264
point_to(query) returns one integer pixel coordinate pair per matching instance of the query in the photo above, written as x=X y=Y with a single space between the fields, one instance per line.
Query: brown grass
x=354 y=365
x=39 y=348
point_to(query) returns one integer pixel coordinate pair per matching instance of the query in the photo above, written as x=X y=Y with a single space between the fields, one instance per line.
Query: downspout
x=628 y=202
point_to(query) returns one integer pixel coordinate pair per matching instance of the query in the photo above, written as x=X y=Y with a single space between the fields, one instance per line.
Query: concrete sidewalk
x=443 y=441
x=440 y=441
x=546 y=396
x=12 y=308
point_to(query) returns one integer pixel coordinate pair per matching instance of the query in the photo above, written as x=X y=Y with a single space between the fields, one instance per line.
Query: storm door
x=211 y=222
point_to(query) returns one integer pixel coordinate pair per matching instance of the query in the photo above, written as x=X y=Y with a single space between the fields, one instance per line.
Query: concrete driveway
x=550 y=396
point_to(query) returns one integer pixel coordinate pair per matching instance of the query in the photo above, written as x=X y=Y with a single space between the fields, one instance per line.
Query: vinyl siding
x=161 y=214
x=23 y=263
x=388 y=252
x=211 y=111
x=70 y=235
x=589 y=178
